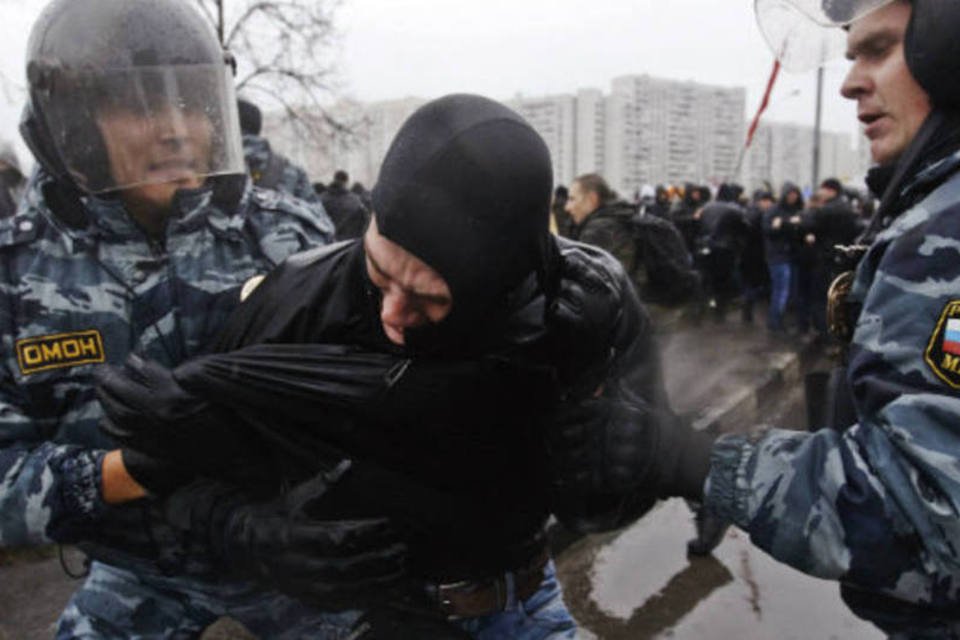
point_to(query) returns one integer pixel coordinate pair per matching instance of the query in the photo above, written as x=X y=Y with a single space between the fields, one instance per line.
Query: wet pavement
x=640 y=583
x=637 y=583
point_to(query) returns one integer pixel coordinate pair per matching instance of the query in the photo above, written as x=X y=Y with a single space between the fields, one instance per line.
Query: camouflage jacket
x=72 y=298
x=877 y=505
x=271 y=170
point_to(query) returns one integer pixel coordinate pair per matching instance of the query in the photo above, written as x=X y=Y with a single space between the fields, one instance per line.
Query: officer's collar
x=190 y=209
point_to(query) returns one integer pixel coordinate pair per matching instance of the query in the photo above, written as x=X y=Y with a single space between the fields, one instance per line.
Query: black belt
x=475 y=598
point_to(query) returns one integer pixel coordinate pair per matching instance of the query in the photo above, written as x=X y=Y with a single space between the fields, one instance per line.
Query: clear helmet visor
x=116 y=130
x=805 y=34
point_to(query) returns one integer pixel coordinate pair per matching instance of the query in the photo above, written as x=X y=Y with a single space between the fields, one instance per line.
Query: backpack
x=663 y=269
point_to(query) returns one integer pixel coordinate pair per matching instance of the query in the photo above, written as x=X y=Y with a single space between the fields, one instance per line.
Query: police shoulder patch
x=58 y=351
x=943 y=350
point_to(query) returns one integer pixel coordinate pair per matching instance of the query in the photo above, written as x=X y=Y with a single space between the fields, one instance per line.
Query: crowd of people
x=775 y=246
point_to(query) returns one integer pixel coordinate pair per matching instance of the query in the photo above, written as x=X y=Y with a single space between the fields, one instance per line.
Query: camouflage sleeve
x=48 y=492
x=875 y=505
x=301 y=187
x=285 y=225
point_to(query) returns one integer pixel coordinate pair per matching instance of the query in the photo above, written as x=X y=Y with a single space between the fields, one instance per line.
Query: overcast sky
x=499 y=48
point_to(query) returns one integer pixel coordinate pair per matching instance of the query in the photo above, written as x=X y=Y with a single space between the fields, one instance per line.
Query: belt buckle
x=439 y=593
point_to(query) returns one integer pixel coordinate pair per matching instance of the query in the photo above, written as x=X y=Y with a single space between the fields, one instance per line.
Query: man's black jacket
x=457 y=445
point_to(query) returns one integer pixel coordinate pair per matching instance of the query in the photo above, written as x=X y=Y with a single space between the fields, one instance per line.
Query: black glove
x=165 y=433
x=334 y=565
x=582 y=320
x=604 y=446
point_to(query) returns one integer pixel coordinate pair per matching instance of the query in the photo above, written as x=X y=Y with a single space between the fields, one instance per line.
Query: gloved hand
x=582 y=320
x=165 y=433
x=334 y=565
x=604 y=446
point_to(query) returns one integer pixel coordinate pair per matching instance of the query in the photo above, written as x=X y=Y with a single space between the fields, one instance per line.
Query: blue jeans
x=780 y=277
x=118 y=604
x=543 y=616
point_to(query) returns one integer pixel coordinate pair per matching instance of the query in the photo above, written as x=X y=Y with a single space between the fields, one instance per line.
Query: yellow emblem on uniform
x=943 y=350
x=59 y=351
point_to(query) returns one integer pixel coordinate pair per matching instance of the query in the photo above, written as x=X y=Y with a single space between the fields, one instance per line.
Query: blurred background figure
x=345 y=208
x=268 y=168
x=12 y=180
x=651 y=250
x=561 y=217
x=723 y=235
x=831 y=222
x=364 y=194
x=683 y=215
x=781 y=225
x=660 y=207
x=753 y=262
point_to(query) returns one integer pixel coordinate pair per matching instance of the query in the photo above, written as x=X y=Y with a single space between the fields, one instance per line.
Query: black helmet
x=932 y=50
x=97 y=66
x=794 y=29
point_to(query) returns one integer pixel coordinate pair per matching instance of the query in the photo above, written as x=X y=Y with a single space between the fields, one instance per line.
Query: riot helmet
x=804 y=34
x=125 y=93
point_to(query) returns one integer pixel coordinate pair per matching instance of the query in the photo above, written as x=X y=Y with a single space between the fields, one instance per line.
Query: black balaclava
x=466 y=187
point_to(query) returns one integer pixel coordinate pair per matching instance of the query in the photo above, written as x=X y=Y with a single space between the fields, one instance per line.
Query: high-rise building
x=359 y=151
x=591 y=127
x=672 y=132
x=554 y=118
x=646 y=131
x=783 y=152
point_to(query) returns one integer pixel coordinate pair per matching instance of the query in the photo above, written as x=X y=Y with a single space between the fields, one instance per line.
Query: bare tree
x=285 y=57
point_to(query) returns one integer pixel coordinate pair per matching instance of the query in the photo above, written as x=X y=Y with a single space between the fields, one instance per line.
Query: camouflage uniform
x=71 y=298
x=263 y=162
x=876 y=505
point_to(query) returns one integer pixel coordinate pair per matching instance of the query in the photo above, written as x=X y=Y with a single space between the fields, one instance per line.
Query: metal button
x=26 y=225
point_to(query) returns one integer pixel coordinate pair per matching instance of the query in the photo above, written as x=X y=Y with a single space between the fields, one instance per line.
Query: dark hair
x=833 y=184
x=342 y=177
x=251 y=120
x=594 y=183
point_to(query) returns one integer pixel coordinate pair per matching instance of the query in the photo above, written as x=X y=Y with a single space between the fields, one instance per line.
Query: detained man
x=451 y=370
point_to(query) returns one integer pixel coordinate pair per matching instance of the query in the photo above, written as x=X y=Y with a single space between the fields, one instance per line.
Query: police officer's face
x=890 y=103
x=157 y=153
x=413 y=293
x=581 y=203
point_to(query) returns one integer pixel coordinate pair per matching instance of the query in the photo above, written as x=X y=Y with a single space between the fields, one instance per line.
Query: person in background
x=753 y=265
x=12 y=181
x=830 y=223
x=781 y=225
x=345 y=208
x=562 y=221
x=269 y=168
